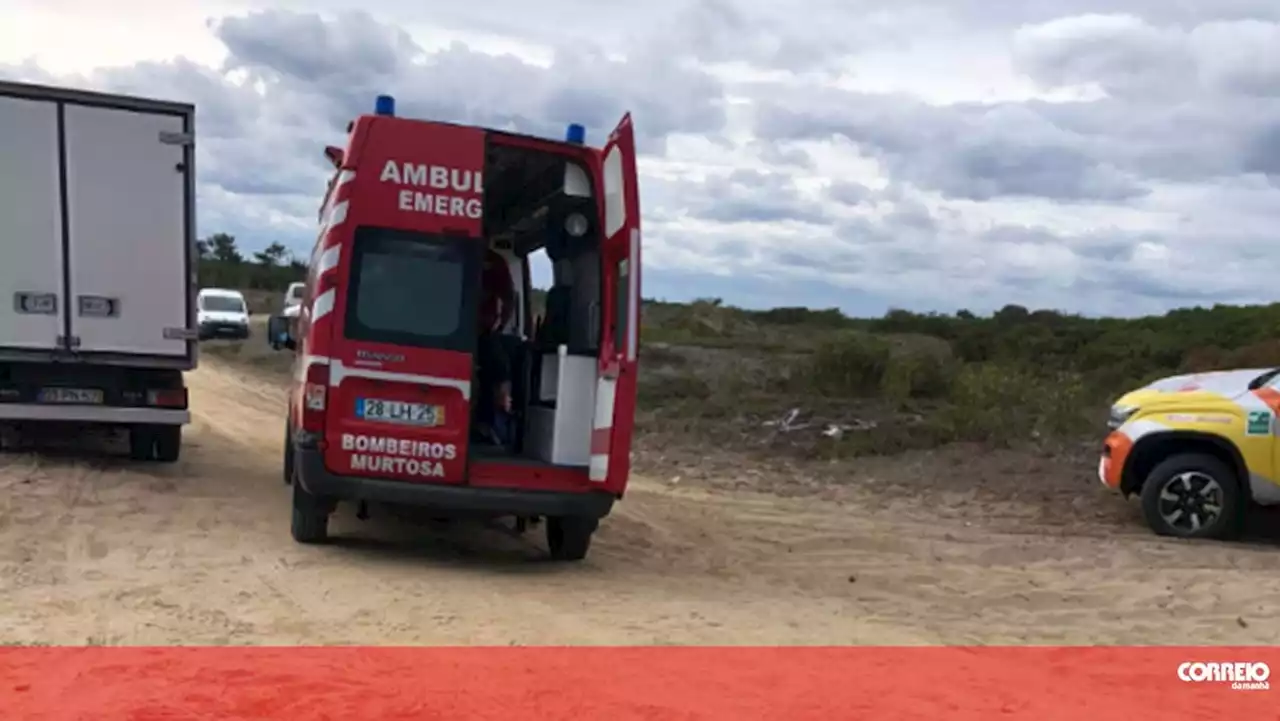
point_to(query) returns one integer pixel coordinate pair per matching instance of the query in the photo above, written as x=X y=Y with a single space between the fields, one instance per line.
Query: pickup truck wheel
x=1193 y=495
x=569 y=537
x=168 y=443
x=142 y=443
x=310 y=517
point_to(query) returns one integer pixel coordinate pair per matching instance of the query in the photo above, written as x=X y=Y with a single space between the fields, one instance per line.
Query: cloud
x=1118 y=157
x=755 y=196
x=292 y=81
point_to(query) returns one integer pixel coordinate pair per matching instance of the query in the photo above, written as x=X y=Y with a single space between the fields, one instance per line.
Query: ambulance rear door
x=614 y=418
x=404 y=326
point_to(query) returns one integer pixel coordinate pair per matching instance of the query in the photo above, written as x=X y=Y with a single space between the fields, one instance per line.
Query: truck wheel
x=1193 y=495
x=142 y=443
x=310 y=518
x=569 y=537
x=168 y=443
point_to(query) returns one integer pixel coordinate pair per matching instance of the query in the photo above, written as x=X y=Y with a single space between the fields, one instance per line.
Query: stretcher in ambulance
x=388 y=382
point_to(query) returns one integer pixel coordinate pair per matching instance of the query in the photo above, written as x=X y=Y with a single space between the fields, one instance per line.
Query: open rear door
x=616 y=379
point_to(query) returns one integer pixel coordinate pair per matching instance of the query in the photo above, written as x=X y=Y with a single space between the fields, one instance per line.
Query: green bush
x=1004 y=404
x=849 y=364
x=920 y=366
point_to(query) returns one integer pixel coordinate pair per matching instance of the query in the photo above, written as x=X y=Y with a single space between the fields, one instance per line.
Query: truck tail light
x=167 y=398
x=315 y=391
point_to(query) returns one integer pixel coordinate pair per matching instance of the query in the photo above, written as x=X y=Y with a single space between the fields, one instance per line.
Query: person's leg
x=483 y=398
x=501 y=425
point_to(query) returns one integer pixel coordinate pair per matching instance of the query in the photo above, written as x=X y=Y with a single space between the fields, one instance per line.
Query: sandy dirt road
x=100 y=550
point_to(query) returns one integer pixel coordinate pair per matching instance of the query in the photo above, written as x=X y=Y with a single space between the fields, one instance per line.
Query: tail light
x=315 y=392
x=167 y=398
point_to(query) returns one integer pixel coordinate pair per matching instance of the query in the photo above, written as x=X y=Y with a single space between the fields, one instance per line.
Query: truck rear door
x=31 y=298
x=128 y=230
x=408 y=248
x=614 y=418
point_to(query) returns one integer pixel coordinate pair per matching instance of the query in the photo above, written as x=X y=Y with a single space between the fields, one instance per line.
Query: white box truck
x=97 y=264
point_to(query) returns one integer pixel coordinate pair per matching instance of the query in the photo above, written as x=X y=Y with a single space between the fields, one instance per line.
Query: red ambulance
x=388 y=379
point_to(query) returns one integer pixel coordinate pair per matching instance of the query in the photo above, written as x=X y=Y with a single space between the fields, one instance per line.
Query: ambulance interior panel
x=534 y=197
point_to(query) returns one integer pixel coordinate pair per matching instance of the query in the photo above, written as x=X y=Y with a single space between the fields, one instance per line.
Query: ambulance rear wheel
x=310 y=517
x=569 y=537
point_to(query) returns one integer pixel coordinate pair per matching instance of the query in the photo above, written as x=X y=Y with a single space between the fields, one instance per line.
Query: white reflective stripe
x=606 y=394
x=337 y=215
x=633 y=295
x=598 y=470
x=329 y=259
x=338 y=371
x=323 y=304
x=1102 y=470
x=345 y=177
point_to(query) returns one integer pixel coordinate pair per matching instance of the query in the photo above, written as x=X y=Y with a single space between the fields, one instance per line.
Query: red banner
x=663 y=683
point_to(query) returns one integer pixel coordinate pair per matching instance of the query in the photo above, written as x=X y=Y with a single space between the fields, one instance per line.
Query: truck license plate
x=412 y=414
x=80 y=396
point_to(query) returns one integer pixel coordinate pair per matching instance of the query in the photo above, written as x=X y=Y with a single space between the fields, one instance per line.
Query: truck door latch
x=169 y=137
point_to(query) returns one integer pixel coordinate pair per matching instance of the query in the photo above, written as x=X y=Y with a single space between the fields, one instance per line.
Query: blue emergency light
x=576 y=134
x=384 y=105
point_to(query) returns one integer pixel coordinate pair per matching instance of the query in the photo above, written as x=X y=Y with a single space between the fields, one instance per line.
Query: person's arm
x=506 y=292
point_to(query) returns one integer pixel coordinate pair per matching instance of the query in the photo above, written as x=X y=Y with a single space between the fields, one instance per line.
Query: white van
x=222 y=313
x=293 y=300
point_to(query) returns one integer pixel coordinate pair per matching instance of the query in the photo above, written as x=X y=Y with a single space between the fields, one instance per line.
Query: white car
x=292 y=300
x=281 y=331
x=222 y=313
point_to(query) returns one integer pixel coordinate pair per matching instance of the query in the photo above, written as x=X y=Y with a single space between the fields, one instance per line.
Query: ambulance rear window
x=410 y=288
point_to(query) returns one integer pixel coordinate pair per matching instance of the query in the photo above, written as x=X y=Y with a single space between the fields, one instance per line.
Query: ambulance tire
x=569 y=537
x=310 y=519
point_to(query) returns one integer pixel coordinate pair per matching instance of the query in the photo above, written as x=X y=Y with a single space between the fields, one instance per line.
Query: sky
x=1104 y=158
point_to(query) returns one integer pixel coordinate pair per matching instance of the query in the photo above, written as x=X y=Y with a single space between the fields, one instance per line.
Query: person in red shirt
x=497 y=293
x=497 y=305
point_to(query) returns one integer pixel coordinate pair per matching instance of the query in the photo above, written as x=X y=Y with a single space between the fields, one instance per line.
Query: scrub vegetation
x=817 y=384
x=908 y=380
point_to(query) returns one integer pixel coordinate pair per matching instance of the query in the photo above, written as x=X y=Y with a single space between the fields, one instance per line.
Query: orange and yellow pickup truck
x=1197 y=449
